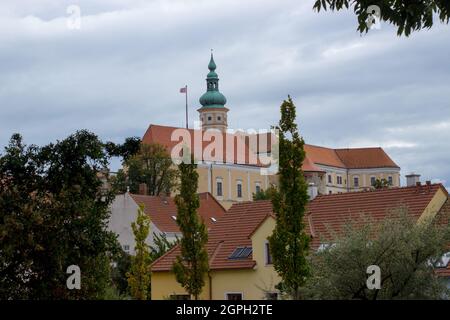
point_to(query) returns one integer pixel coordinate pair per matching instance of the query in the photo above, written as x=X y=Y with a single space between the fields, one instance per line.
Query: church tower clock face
x=213 y=113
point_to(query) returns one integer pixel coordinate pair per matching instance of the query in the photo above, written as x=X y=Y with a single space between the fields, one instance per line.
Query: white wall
x=123 y=213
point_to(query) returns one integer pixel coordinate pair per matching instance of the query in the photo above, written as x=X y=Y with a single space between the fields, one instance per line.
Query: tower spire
x=213 y=110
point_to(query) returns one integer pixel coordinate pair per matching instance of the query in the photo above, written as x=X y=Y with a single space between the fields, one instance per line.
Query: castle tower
x=213 y=113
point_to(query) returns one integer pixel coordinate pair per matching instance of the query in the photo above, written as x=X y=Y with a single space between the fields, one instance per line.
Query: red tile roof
x=324 y=156
x=232 y=231
x=340 y=158
x=238 y=155
x=161 y=209
x=360 y=158
x=324 y=213
x=332 y=212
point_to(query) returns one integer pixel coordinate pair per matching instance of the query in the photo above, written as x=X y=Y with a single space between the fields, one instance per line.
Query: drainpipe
x=211 y=178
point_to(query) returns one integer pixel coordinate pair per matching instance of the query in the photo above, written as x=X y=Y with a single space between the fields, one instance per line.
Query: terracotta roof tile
x=315 y=155
x=162 y=135
x=324 y=212
x=360 y=158
x=335 y=210
x=324 y=156
x=231 y=231
x=161 y=209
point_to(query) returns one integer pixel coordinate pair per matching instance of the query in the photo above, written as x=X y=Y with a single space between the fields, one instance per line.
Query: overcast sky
x=123 y=69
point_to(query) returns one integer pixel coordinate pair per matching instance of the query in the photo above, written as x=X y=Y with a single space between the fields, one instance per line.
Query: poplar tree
x=139 y=275
x=289 y=243
x=192 y=265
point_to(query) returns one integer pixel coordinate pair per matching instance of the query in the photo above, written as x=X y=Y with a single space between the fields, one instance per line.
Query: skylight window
x=174 y=217
x=241 y=253
x=213 y=219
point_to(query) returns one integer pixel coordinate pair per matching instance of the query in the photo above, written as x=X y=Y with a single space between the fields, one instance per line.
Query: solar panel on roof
x=241 y=253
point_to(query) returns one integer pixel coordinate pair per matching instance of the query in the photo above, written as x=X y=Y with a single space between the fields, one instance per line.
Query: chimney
x=312 y=191
x=412 y=179
x=143 y=189
x=428 y=183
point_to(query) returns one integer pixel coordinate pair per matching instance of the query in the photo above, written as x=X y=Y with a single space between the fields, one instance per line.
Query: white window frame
x=375 y=180
x=239 y=182
x=354 y=184
x=391 y=183
x=257 y=184
x=219 y=179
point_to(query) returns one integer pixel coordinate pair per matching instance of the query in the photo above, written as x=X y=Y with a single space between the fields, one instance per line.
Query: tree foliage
x=152 y=165
x=161 y=245
x=191 y=266
x=265 y=194
x=139 y=275
x=53 y=214
x=122 y=265
x=126 y=150
x=408 y=16
x=404 y=250
x=381 y=184
x=289 y=244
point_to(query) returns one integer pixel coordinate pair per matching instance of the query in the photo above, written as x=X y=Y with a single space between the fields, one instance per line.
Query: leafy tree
x=381 y=184
x=53 y=214
x=404 y=250
x=264 y=194
x=161 y=245
x=406 y=15
x=126 y=150
x=192 y=265
x=122 y=264
x=289 y=243
x=152 y=165
x=139 y=275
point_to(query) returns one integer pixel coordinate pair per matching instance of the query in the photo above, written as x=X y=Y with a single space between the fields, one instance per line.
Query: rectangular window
x=234 y=296
x=390 y=181
x=372 y=181
x=239 y=190
x=329 y=178
x=339 y=180
x=271 y=296
x=219 y=188
x=268 y=255
x=258 y=188
x=356 y=182
x=180 y=297
x=126 y=248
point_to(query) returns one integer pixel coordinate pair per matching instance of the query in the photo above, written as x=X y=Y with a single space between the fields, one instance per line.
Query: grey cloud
x=123 y=69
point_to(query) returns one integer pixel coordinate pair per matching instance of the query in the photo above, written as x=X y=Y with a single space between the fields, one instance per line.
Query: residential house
x=162 y=211
x=239 y=256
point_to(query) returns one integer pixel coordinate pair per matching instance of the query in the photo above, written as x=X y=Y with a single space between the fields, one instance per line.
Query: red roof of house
x=331 y=212
x=232 y=231
x=161 y=210
x=324 y=214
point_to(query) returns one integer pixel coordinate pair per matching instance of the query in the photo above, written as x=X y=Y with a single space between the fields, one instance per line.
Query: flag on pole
x=183 y=90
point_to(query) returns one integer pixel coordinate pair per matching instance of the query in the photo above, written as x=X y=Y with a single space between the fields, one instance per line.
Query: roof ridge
x=372 y=191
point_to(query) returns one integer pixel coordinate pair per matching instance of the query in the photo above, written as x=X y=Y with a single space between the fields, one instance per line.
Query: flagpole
x=187 y=125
